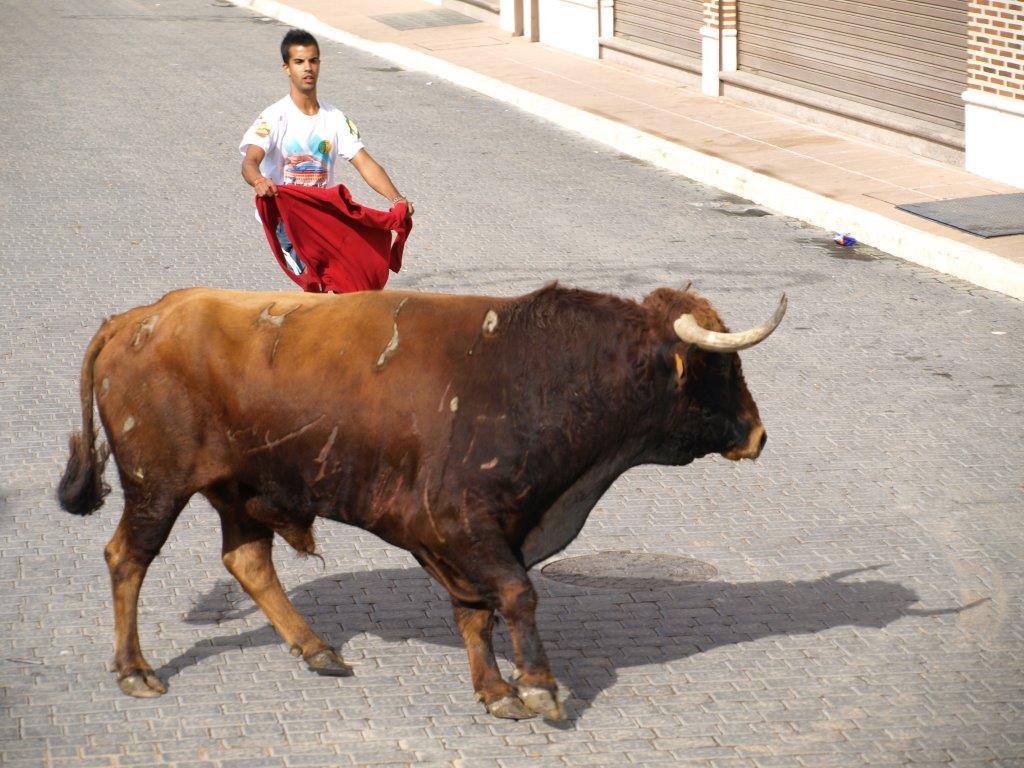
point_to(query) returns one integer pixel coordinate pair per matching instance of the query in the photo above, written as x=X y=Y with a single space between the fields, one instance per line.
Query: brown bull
x=477 y=433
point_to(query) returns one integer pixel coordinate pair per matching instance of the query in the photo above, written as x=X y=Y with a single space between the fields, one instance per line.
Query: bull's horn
x=688 y=330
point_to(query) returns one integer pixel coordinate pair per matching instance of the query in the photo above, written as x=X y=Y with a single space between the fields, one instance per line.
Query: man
x=298 y=139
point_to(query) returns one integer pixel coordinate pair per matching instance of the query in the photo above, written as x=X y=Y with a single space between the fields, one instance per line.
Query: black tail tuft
x=82 y=490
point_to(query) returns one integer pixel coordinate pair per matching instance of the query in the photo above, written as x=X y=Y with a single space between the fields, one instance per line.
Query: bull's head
x=711 y=408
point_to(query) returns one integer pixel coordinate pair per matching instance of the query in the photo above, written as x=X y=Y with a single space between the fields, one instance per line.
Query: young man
x=298 y=139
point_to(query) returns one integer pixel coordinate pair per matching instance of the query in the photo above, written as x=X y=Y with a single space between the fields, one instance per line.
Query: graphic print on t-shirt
x=307 y=164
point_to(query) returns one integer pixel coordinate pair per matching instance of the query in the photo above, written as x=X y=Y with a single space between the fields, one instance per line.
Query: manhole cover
x=443 y=17
x=629 y=570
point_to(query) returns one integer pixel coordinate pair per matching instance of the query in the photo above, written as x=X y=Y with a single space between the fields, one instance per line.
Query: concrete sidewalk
x=833 y=181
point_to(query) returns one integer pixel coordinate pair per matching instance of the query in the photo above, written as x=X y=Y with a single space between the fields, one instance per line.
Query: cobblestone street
x=860 y=590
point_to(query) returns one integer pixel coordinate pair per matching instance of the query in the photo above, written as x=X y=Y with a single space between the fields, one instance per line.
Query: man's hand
x=264 y=187
x=411 y=207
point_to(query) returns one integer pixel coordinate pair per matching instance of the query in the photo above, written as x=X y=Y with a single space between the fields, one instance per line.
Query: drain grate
x=424 y=19
x=628 y=570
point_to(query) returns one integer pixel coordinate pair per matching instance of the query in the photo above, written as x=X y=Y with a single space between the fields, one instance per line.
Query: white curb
x=938 y=253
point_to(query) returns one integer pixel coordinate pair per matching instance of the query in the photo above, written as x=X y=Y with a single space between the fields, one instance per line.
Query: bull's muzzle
x=751 y=449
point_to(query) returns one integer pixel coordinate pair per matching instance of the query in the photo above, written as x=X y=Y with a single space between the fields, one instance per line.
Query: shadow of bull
x=590 y=632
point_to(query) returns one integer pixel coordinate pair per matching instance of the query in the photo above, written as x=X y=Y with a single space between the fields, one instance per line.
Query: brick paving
x=867 y=603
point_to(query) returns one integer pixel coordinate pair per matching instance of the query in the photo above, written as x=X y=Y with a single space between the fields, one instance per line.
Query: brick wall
x=996 y=47
x=720 y=14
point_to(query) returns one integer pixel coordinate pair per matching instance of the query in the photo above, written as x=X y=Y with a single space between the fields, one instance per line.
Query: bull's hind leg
x=247 y=554
x=143 y=529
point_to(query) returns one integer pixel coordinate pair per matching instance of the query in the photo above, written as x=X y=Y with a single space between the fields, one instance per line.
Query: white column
x=507 y=15
x=710 y=61
x=606 y=18
x=531 y=19
x=994 y=136
x=728 y=50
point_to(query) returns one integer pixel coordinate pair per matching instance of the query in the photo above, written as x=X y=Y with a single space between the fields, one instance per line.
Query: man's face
x=303 y=67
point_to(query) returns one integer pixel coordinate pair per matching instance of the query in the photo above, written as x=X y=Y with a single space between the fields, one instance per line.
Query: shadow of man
x=591 y=632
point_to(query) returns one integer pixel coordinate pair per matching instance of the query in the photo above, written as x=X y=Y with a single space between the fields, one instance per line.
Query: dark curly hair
x=296 y=37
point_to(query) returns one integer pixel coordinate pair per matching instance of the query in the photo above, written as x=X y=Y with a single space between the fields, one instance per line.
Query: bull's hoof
x=328 y=662
x=543 y=702
x=142 y=684
x=510 y=708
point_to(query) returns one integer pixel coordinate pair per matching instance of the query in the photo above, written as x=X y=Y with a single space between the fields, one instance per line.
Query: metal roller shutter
x=672 y=25
x=903 y=56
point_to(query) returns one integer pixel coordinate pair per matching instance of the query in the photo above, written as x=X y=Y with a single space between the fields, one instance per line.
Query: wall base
x=655 y=61
x=934 y=142
x=572 y=25
x=995 y=137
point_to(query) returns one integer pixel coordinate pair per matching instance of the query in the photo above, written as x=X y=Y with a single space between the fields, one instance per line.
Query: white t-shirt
x=302 y=149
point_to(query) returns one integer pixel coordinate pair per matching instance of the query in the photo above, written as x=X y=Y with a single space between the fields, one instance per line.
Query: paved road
x=866 y=608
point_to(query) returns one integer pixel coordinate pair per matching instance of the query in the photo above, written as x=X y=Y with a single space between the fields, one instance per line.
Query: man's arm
x=378 y=179
x=251 y=172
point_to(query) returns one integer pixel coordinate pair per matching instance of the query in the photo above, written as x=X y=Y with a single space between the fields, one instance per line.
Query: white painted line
x=901 y=240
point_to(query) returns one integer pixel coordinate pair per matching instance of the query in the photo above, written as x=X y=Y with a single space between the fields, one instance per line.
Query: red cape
x=344 y=246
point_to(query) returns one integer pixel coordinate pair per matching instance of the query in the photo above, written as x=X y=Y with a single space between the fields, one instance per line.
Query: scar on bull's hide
x=522 y=467
x=266 y=317
x=490 y=321
x=393 y=344
x=473 y=433
x=276 y=320
x=453 y=406
x=490 y=464
x=472 y=441
x=444 y=395
x=268 y=443
x=104 y=386
x=463 y=518
x=486 y=329
x=129 y=423
x=325 y=452
x=430 y=513
x=145 y=329
x=388 y=486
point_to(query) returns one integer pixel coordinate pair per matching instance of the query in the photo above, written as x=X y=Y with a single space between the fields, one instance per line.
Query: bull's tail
x=81 y=490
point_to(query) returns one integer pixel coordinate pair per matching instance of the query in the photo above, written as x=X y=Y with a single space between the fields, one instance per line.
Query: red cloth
x=344 y=246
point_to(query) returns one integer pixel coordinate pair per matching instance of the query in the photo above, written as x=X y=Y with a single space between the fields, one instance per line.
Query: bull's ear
x=688 y=362
x=676 y=359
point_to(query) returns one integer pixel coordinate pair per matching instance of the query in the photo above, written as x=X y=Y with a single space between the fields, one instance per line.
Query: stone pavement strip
x=890 y=490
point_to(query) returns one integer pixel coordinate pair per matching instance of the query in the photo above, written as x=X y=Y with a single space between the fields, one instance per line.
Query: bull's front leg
x=534 y=682
x=480 y=584
x=477 y=628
